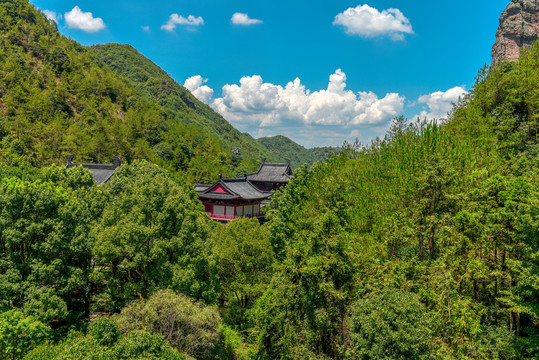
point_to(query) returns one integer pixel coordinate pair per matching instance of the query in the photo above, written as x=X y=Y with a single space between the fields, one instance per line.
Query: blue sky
x=319 y=72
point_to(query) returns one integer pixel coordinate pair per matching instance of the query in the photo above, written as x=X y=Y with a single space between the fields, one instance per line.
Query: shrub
x=190 y=327
x=142 y=344
x=136 y=345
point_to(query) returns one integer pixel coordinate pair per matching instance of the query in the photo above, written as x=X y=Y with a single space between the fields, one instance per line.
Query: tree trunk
x=421 y=246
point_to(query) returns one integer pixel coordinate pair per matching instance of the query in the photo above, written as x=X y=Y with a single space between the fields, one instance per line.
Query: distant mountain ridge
x=284 y=148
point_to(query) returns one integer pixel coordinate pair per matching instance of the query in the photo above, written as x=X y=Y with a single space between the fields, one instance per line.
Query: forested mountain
x=282 y=147
x=158 y=85
x=58 y=98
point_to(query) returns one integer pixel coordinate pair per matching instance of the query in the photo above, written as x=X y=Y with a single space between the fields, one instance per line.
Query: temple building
x=101 y=173
x=228 y=199
x=244 y=196
x=271 y=176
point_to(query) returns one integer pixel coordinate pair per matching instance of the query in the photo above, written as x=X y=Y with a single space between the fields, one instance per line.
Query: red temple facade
x=244 y=196
x=228 y=199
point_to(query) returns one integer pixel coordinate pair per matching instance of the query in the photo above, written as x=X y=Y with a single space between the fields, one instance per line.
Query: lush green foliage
x=45 y=255
x=302 y=314
x=391 y=324
x=56 y=100
x=104 y=330
x=243 y=252
x=424 y=244
x=68 y=249
x=135 y=345
x=20 y=333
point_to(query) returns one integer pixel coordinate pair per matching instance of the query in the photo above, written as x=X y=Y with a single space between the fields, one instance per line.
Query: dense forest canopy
x=437 y=218
x=421 y=245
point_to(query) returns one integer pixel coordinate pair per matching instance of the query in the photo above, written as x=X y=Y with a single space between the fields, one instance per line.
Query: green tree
x=190 y=327
x=243 y=251
x=152 y=235
x=20 y=333
x=302 y=314
x=45 y=253
x=104 y=330
x=58 y=59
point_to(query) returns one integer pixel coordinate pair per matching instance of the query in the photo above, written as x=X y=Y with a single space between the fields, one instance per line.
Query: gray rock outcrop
x=519 y=26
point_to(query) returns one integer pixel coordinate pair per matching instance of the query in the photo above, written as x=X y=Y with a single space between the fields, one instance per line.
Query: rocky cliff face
x=519 y=26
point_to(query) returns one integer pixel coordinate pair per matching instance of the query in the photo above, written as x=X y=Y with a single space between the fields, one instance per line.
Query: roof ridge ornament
x=69 y=161
x=116 y=161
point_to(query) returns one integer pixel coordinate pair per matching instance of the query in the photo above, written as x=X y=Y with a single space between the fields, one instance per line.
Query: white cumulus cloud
x=203 y=93
x=244 y=19
x=367 y=21
x=85 y=21
x=440 y=103
x=256 y=103
x=176 y=19
x=146 y=28
x=51 y=15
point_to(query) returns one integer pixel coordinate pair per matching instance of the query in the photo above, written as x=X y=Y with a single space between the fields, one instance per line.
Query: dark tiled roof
x=239 y=188
x=101 y=173
x=201 y=187
x=270 y=172
x=101 y=176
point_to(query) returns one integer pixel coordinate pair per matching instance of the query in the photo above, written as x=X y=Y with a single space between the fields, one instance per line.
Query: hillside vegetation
x=423 y=245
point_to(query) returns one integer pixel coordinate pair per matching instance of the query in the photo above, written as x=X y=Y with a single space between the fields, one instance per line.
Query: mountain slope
x=58 y=98
x=158 y=85
x=54 y=100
